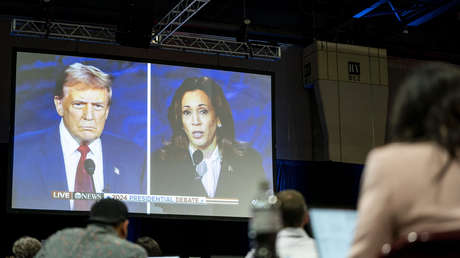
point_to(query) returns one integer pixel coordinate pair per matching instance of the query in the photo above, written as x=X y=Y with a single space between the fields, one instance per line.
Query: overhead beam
x=177 y=41
x=175 y=18
x=434 y=13
x=214 y=45
x=394 y=11
x=62 y=30
x=369 y=9
x=409 y=16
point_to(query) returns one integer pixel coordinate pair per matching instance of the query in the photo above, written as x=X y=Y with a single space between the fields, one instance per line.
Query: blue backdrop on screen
x=249 y=96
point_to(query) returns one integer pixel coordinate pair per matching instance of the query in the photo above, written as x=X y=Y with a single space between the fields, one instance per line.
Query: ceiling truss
x=415 y=14
x=177 y=41
x=175 y=18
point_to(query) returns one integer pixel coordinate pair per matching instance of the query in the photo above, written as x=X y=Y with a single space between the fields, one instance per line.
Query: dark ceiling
x=296 y=22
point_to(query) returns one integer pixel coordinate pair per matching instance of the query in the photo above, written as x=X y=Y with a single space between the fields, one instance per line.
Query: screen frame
x=16 y=50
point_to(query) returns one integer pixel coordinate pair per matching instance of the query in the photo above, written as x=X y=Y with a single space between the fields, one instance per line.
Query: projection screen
x=163 y=138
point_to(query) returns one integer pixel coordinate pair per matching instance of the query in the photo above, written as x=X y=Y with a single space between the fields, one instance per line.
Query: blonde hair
x=87 y=74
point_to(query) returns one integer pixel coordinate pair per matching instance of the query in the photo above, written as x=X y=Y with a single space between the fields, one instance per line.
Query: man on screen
x=60 y=158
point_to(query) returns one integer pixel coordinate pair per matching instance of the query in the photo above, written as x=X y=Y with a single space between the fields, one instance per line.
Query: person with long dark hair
x=203 y=158
x=411 y=184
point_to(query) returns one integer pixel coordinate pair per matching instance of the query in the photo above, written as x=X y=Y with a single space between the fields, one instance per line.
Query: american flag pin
x=116 y=170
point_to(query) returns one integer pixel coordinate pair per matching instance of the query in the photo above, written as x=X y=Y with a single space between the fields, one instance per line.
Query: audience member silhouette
x=292 y=241
x=103 y=237
x=26 y=247
x=150 y=245
x=411 y=184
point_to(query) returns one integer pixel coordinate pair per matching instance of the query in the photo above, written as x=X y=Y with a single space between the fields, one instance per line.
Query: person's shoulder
x=64 y=234
x=108 y=136
x=295 y=242
x=386 y=163
x=112 y=244
x=115 y=142
x=60 y=242
x=240 y=149
x=169 y=152
x=131 y=249
x=402 y=151
x=71 y=231
x=33 y=135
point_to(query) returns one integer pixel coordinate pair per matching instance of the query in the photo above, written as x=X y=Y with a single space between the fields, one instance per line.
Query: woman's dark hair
x=225 y=133
x=427 y=107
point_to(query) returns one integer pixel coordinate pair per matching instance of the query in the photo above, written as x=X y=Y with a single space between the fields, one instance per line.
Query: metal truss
x=175 y=18
x=215 y=45
x=62 y=30
x=418 y=13
x=177 y=41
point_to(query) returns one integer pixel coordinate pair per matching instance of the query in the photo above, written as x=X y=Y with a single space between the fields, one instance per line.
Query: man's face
x=84 y=110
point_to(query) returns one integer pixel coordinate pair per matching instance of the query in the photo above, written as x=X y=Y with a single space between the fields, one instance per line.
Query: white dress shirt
x=295 y=243
x=213 y=165
x=72 y=156
x=292 y=243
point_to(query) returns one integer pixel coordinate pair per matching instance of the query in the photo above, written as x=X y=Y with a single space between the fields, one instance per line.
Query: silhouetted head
x=427 y=107
x=293 y=208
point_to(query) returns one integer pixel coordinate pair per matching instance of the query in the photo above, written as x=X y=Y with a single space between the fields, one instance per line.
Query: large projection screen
x=164 y=138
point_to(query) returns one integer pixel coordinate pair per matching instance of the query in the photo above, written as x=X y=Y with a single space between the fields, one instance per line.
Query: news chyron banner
x=143 y=198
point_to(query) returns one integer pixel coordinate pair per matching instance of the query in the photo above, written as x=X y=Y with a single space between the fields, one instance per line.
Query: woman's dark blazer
x=173 y=173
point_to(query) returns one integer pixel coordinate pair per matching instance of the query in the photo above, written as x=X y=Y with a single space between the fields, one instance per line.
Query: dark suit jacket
x=173 y=173
x=38 y=169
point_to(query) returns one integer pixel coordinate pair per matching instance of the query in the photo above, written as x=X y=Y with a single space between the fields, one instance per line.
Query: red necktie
x=83 y=180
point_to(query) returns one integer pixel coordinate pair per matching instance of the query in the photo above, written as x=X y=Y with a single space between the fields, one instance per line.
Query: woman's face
x=199 y=119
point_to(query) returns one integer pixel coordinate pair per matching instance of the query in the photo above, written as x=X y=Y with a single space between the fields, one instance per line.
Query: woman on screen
x=203 y=158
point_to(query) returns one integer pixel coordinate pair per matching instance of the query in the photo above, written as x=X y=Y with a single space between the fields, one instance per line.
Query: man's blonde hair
x=88 y=74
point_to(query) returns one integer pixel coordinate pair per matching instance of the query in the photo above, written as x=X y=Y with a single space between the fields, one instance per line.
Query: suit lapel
x=224 y=173
x=51 y=164
x=109 y=169
x=227 y=177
